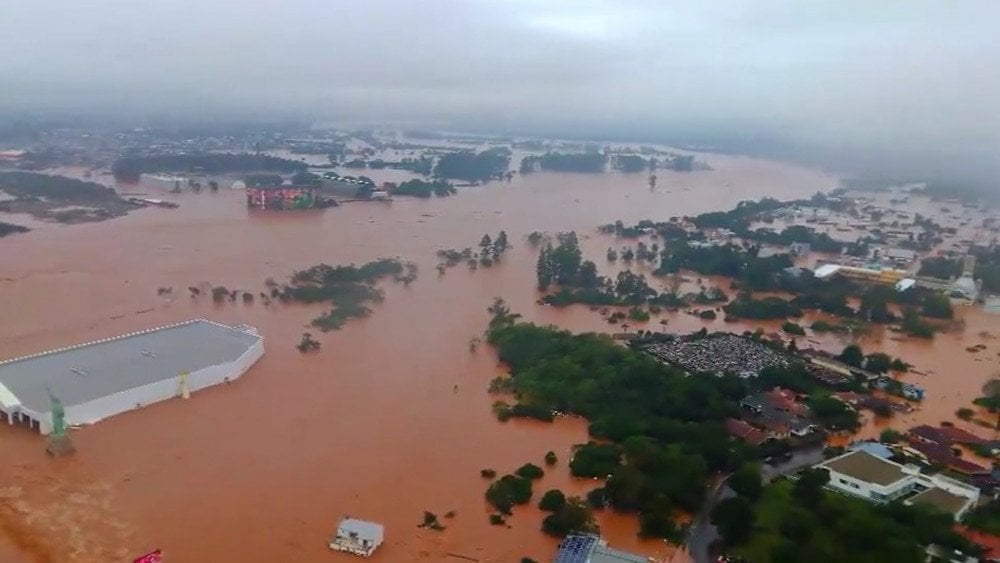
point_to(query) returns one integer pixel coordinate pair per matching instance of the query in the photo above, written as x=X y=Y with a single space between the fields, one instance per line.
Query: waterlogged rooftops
x=82 y=373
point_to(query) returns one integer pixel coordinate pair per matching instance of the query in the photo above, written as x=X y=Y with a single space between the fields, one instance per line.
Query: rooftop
x=575 y=549
x=863 y=466
x=940 y=499
x=585 y=548
x=740 y=429
x=82 y=373
x=605 y=554
x=360 y=528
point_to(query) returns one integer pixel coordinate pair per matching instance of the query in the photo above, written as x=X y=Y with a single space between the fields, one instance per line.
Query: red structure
x=283 y=197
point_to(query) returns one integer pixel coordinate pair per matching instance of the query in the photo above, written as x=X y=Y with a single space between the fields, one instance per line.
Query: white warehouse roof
x=82 y=373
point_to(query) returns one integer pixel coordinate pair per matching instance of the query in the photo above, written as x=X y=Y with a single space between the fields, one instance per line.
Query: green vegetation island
x=348 y=288
x=50 y=197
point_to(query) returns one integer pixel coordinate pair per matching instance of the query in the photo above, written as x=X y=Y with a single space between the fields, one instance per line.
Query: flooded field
x=389 y=419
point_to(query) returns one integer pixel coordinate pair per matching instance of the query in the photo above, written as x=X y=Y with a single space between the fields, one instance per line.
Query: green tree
x=552 y=500
x=747 y=482
x=574 y=516
x=875 y=304
x=833 y=413
x=595 y=460
x=878 y=362
x=507 y=491
x=550 y=458
x=530 y=471
x=890 y=436
x=486 y=245
x=852 y=356
x=500 y=244
x=937 y=306
x=734 y=518
x=543 y=268
x=808 y=490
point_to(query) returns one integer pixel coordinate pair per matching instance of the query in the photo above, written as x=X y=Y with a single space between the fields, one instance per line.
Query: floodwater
x=389 y=419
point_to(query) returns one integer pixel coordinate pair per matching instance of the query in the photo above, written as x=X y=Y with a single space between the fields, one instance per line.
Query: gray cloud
x=911 y=73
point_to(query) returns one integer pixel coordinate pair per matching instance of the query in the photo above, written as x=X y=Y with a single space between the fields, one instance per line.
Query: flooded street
x=391 y=417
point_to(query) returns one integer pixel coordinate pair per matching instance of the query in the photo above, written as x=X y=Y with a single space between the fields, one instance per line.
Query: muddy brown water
x=389 y=419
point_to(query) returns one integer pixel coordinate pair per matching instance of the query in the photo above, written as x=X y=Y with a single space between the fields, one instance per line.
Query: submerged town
x=743 y=383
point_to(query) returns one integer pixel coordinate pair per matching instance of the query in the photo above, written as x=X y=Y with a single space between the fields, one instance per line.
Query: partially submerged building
x=878 y=480
x=898 y=279
x=358 y=537
x=587 y=548
x=99 y=379
x=284 y=197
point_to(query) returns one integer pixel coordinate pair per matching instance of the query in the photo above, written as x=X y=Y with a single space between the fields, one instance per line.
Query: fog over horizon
x=904 y=85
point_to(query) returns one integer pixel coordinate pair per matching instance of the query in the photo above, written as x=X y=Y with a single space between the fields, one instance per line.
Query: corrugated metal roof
x=576 y=549
x=82 y=373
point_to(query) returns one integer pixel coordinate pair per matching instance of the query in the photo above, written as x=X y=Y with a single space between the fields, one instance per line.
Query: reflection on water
x=391 y=418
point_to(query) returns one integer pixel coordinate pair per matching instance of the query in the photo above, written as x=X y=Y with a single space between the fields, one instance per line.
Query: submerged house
x=358 y=537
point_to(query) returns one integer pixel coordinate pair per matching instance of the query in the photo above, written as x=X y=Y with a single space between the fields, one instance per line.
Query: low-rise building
x=358 y=537
x=779 y=414
x=872 y=478
x=587 y=548
x=100 y=379
x=742 y=430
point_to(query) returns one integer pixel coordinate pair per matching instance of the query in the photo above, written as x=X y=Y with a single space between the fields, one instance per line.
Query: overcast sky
x=865 y=72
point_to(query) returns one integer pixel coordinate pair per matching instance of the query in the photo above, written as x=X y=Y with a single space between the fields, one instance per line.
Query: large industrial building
x=99 y=379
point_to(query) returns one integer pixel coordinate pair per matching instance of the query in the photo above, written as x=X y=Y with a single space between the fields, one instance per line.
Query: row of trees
x=578 y=281
x=490 y=252
x=424 y=188
x=587 y=162
x=129 y=168
x=474 y=166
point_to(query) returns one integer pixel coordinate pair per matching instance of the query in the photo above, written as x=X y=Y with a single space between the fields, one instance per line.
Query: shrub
x=595 y=460
x=638 y=315
x=550 y=458
x=219 y=293
x=793 y=328
x=573 y=516
x=431 y=522
x=497 y=520
x=508 y=491
x=552 y=500
x=307 y=344
x=487 y=473
x=965 y=413
x=890 y=436
x=530 y=471
x=708 y=315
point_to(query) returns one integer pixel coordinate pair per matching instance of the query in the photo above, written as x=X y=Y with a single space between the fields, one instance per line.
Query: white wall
x=864 y=489
x=103 y=407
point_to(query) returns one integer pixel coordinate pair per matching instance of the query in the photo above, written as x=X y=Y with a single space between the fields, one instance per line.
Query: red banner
x=152 y=557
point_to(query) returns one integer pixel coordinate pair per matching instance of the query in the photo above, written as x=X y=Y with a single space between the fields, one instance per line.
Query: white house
x=872 y=478
x=358 y=537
